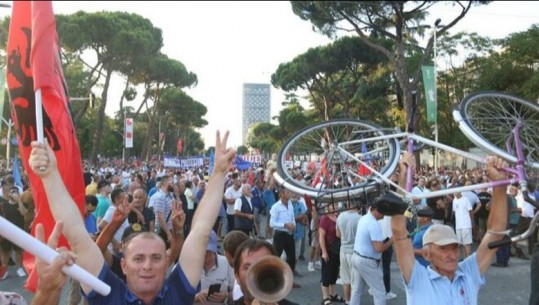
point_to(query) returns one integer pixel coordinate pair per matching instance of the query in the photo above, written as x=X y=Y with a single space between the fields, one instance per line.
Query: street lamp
x=436 y=161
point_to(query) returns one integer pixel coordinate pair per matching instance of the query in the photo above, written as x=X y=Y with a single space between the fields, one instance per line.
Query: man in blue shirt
x=446 y=281
x=368 y=247
x=424 y=219
x=144 y=262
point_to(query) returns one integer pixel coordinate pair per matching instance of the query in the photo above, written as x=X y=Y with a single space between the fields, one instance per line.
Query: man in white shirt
x=526 y=216
x=283 y=223
x=462 y=207
x=420 y=189
x=231 y=194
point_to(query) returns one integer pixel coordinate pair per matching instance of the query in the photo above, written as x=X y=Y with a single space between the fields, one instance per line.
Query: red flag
x=363 y=170
x=34 y=62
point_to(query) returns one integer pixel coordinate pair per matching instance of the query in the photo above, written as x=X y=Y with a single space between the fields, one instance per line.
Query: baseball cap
x=440 y=235
x=133 y=229
x=212 y=242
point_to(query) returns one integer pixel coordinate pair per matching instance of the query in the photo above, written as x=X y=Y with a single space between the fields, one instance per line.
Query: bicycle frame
x=518 y=171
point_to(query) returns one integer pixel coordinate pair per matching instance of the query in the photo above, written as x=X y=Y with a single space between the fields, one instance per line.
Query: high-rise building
x=256 y=106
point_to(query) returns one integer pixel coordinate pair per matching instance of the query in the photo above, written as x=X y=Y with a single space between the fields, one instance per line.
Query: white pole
x=8 y=144
x=39 y=120
x=46 y=254
x=39 y=116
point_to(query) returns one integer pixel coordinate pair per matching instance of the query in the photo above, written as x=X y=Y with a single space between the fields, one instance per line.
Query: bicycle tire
x=307 y=144
x=491 y=116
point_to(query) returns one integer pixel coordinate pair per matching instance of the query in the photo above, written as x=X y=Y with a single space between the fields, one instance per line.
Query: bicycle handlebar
x=508 y=239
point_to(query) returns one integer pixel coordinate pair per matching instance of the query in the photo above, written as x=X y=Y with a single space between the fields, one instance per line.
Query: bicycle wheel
x=332 y=153
x=492 y=116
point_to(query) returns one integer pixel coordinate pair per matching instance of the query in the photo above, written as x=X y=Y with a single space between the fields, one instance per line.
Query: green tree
x=332 y=74
x=397 y=21
x=160 y=74
x=116 y=39
x=242 y=150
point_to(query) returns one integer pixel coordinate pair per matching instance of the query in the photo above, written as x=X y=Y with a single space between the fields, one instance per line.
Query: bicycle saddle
x=390 y=204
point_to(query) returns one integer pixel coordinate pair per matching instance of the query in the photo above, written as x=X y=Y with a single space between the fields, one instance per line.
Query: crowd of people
x=153 y=233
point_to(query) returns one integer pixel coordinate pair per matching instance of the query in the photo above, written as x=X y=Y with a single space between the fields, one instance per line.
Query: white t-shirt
x=231 y=193
x=236 y=292
x=462 y=208
x=108 y=219
x=526 y=207
x=190 y=201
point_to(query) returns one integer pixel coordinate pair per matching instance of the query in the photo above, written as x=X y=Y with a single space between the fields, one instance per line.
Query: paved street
x=503 y=286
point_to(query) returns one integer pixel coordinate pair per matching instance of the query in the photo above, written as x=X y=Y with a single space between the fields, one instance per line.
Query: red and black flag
x=33 y=62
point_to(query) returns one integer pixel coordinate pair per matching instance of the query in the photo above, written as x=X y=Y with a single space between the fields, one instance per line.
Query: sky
x=230 y=43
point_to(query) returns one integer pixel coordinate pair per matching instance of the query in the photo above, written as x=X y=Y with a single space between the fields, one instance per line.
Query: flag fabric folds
x=212 y=162
x=363 y=170
x=17 y=172
x=241 y=164
x=33 y=62
x=429 y=82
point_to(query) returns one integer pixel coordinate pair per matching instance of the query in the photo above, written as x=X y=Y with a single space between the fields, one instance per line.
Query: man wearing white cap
x=446 y=280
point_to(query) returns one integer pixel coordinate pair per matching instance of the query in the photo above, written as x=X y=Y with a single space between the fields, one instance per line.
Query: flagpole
x=39 y=249
x=39 y=120
x=39 y=116
x=8 y=146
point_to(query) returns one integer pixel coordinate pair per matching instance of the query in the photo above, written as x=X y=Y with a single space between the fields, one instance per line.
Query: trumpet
x=270 y=279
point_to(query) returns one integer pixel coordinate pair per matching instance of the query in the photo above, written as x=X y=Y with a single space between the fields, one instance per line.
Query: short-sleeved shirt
x=368 y=230
x=347 y=224
x=484 y=198
x=221 y=273
x=513 y=216
x=269 y=198
x=462 y=207
x=121 y=229
x=149 y=216
x=257 y=197
x=417 y=190
x=176 y=290
x=299 y=208
x=232 y=193
x=330 y=228
x=102 y=206
x=90 y=223
x=427 y=287
x=190 y=199
x=162 y=205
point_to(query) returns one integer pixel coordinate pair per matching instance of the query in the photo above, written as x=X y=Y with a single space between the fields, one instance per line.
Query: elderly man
x=144 y=285
x=244 y=217
x=446 y=280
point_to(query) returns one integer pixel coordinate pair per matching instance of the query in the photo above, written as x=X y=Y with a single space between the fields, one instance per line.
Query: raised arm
x=64 y=209
x=497 y=220
x=403 y=245
x=107 y=235
x=192 y=256
x=176 y=242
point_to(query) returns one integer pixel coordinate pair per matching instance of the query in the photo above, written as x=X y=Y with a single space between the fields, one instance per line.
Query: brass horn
x=270 y=279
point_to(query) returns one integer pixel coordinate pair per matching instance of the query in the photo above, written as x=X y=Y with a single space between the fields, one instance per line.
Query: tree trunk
x=100 y=119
